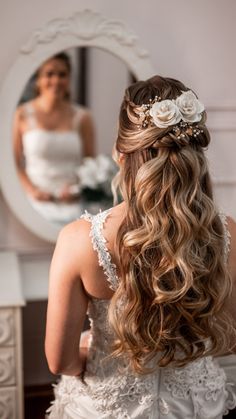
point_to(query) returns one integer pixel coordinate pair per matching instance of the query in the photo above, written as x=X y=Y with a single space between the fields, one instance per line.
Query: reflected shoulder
x=21 y=109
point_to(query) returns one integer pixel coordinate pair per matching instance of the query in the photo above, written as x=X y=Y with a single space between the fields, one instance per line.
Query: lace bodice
x=199 y=390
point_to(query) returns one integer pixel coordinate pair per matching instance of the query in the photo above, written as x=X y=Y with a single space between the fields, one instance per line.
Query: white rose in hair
x=165 y=113
x=190 y=107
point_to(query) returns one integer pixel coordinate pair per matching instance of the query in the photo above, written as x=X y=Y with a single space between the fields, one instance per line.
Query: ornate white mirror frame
x=84 y=28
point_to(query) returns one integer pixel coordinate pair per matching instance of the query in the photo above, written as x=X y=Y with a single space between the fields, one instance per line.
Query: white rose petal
x=165 y=113
x=190 y=107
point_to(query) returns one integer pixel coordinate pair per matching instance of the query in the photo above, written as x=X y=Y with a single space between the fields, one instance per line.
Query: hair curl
x=170 y=246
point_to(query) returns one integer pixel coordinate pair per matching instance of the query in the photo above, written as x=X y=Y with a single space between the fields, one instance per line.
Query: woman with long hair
x=51 y=135
x=156 y=274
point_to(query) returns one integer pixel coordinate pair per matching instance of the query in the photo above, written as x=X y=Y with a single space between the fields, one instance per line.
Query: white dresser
x=11 y=369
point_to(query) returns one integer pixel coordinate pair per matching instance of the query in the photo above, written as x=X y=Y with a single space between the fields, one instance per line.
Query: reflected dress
x=51 y=160
x=203 y=389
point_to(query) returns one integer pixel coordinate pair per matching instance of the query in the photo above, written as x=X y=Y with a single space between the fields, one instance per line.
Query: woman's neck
x=49 y=104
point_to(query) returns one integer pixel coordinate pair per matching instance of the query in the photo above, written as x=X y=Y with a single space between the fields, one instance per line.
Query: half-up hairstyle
x=170 y=245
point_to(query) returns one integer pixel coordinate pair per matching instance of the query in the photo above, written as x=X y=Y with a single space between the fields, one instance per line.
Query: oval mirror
x=105 y=58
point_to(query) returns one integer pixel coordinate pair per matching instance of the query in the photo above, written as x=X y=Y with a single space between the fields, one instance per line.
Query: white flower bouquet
x=94 y=178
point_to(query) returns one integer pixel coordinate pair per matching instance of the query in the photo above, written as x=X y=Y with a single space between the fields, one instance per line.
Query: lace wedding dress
x=202 y=389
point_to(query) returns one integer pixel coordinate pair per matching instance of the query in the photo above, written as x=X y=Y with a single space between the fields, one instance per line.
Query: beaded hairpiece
x=180 y=113
x=145 y=112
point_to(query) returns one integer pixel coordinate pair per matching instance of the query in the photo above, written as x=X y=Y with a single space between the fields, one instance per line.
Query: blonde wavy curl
x=170 y=246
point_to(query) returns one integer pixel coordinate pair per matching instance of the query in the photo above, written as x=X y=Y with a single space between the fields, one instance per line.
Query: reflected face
x=53 y=79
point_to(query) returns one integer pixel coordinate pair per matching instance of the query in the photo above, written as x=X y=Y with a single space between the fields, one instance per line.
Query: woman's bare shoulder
x=75 y=233
x=74 y=247
x=21 y=110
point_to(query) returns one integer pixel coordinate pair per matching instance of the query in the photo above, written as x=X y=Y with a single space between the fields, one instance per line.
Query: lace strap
x=30 y=115
x=99 y=245
x=227 y=235
x=77 y=116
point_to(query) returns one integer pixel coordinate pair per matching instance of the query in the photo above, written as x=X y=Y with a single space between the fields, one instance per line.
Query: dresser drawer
x=7 y=367
x=8 y=402
x=7 y=326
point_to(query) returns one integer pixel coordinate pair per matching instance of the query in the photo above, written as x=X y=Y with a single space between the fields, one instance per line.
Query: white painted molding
x=84 y=28
x=7 y=367
x=7 y=403
x=87 y=25
x=221 y=118
x=11 y=288
x=221 y=108
x=224 y=182
x=6 y=327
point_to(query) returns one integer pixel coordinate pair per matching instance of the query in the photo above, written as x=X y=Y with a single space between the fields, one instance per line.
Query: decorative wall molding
x=86 y=25
x=6 y=327
x=7 y=403
x=221 y=108
x=221 y=118
x=224 y=182
x=7 y=366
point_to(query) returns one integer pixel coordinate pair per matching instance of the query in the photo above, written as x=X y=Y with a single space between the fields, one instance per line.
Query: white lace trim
x=230 y=403
x=181 y=382
x=99 y=245
x=227 y=235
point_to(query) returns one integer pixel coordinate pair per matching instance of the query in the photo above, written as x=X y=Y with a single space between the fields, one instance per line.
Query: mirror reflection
x=61 y=158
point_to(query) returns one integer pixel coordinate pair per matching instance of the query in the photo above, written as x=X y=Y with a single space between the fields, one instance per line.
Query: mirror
x=84 y=30
x=63 y=131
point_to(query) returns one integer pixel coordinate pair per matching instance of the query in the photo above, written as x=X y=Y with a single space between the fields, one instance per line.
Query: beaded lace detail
x=99 y=245
x=199 y=390
x=227 y=235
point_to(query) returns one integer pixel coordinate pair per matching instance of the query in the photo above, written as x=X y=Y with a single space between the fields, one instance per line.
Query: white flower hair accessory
x=164 y=113
x=190 y=107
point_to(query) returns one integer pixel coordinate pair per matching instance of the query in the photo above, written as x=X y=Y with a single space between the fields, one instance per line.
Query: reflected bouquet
x=94 y=178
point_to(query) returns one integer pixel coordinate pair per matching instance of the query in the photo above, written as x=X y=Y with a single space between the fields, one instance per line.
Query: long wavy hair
x=169 y=305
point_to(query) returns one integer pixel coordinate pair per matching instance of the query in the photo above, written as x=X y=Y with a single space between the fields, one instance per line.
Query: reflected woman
x=51 y=136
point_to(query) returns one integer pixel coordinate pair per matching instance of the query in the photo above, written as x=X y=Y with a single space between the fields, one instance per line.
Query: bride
x=51 y=136
x=156 y=275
